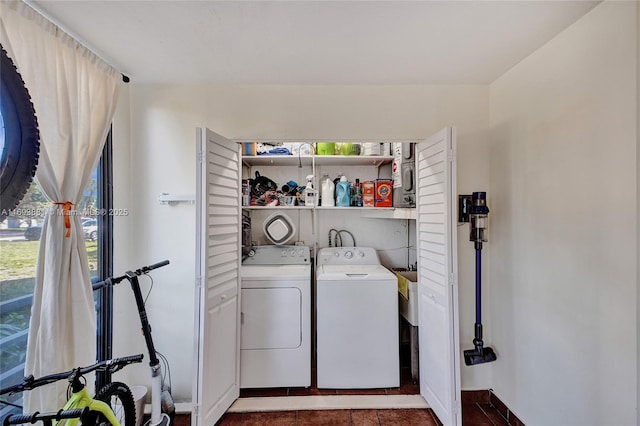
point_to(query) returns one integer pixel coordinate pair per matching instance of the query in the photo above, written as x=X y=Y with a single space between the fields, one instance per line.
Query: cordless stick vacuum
x=478 y=212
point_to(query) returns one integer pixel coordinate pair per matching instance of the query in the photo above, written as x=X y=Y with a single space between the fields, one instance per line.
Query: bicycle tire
x=119 y=397
x=21 y=136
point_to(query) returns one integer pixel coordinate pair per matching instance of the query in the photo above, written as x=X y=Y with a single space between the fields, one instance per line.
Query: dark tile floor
x=477 y=409
x=473 y=414
x=333 y=418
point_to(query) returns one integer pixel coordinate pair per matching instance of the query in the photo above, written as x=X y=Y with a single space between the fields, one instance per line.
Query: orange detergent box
x=368 y=188
x=383 y=193
x=368 y=194
x=368 y=201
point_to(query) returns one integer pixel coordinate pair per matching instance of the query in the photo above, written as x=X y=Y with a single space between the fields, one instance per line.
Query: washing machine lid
x=354 y=272
x=275 y=272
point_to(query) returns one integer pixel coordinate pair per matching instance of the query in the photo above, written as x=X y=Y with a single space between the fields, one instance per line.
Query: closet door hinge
x=453 y=280
x=198 y=283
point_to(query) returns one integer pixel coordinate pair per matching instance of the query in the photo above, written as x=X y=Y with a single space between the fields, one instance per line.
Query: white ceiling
x=313 y=42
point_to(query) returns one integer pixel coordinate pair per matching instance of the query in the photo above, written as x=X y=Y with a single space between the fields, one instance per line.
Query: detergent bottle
x=327 y=189
x=343 y=191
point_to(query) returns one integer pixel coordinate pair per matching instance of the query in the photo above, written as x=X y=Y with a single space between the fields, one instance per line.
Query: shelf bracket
x=172 y=199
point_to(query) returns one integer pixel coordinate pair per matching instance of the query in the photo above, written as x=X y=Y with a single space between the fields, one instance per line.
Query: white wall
x=637 y=201
x=563 y=198
x=162 y=159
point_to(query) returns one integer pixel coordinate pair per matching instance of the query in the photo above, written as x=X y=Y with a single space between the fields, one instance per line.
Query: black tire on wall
x=21 y=136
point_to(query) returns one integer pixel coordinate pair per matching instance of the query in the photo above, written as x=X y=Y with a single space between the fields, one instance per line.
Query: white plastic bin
x=139 y=396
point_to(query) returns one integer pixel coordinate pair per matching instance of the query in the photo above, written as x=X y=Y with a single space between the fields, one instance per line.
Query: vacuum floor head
x=479 y=356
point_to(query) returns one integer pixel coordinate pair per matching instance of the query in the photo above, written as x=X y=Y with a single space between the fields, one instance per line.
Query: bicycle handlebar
x=147 y=269
x=111 y=365
x=17 y=419
x=137 y=272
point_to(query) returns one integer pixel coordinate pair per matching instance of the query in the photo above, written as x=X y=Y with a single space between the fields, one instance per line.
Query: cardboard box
x=384 y=193
x=368 y=188
x=368 y=201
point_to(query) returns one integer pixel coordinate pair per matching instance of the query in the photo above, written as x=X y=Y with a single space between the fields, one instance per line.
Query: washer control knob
x=361 y=253
x=348 y=254
x=284 y=253
x=336 y=254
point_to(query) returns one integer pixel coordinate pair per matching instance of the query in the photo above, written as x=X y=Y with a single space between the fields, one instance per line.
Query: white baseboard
x=181 y=408
x=314 y=402
x=327 y=402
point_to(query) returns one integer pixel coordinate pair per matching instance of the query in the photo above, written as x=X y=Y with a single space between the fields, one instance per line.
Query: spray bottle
x=309 y=193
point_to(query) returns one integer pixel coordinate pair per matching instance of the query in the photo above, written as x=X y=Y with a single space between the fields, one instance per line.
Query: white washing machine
x=357 y=320
x=275 y=347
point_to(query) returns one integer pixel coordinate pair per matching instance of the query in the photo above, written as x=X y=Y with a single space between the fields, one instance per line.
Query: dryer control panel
x=278 y=255
x=348 y=256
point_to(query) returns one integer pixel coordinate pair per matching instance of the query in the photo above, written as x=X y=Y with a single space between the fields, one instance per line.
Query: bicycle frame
x=47 y=418
x=82 y=399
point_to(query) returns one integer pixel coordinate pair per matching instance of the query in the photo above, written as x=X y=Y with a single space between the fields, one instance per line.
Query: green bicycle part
x=82 y=399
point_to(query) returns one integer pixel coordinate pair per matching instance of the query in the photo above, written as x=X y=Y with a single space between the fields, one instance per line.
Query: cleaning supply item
x=309 y=193
x=368 y=194
x=478 y=212
x=384 y=193
x=343 y=191
x=327 y=190
x=357 y=194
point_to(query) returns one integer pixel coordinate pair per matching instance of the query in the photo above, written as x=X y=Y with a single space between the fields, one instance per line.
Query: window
x=19 y=241
x=22 y=209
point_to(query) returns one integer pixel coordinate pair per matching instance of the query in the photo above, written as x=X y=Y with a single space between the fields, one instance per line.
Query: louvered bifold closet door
x=437 y=279
x=218 y=249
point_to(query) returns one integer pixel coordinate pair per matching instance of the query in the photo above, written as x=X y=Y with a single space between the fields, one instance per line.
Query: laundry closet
x=265 y=230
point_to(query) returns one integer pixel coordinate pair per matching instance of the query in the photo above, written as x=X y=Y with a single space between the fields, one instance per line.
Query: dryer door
x=271 y=318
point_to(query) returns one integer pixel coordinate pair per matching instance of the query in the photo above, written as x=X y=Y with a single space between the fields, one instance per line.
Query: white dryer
x=357 y=320
x=275 y=346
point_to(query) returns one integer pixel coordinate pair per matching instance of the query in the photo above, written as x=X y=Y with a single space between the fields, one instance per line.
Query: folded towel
x=403 y=286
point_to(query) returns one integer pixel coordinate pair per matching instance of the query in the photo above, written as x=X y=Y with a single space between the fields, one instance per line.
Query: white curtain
x=74 y=94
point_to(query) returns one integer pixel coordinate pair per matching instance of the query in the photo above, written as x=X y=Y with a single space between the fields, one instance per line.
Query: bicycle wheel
x=120 y=399
x=20 y=143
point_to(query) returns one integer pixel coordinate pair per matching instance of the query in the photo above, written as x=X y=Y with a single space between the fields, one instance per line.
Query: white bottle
x=327 y=189
x=309 y=193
